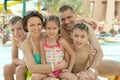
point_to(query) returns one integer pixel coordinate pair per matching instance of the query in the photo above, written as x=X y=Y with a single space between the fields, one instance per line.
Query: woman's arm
x=37 y=68
x=68 y=48
x=15 y=59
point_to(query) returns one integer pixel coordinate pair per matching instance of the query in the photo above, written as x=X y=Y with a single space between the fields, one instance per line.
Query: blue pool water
x=111 y=51
x=5 y=58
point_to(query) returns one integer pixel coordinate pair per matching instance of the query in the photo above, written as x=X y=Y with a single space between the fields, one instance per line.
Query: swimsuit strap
x=56 y=45
x=32 y=44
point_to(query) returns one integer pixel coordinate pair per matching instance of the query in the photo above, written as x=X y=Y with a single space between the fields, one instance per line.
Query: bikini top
x=36 y=56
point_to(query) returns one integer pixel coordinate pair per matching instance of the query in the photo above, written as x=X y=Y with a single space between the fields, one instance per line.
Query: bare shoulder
x=26 y=44
x=26 y=41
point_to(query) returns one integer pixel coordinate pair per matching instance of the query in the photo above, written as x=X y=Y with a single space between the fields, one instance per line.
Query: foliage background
x=80 y=9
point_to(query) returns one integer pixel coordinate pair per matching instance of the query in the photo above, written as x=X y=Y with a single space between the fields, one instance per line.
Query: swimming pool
x=5 y=57
x=111 y=51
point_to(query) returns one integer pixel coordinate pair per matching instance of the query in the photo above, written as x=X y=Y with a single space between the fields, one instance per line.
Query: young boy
x=80 y=36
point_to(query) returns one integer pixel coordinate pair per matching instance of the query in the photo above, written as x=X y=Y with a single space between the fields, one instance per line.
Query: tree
x=80 y=9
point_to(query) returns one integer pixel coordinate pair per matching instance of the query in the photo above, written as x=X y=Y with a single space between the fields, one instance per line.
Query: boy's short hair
x=15 y=19
x=81 y=26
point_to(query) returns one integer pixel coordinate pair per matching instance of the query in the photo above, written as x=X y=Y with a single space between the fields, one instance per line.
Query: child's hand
x=93 y=51
x=63 y=64
x=65 y=70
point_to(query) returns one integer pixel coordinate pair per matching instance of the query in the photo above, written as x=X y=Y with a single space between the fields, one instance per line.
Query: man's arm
x=94 y=41
x=15 y=53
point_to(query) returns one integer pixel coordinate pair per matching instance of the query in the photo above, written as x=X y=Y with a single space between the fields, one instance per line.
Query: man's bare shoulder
x=64 y=41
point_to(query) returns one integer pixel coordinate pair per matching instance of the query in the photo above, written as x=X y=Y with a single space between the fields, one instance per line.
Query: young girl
x=82 y=49
x=54 y=47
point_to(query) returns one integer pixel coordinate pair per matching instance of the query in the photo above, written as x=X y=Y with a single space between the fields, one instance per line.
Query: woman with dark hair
x=33 y=24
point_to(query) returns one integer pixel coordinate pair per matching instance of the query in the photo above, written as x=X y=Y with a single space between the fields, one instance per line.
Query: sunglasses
x=31 y=12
